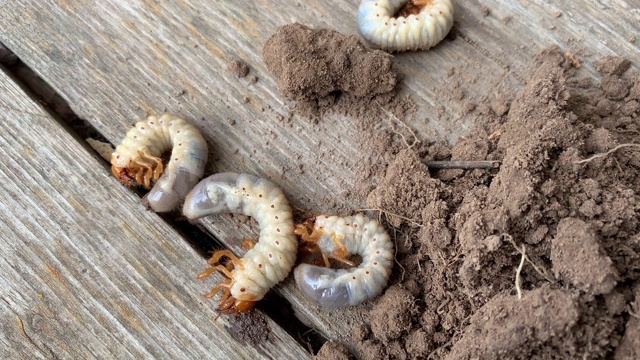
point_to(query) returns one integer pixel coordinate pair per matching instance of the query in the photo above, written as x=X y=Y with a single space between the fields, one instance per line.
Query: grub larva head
x=234 y=306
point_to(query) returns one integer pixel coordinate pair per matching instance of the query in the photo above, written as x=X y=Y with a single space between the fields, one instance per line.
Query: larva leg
x=224 y=271
x=144 y=170
x=302 y=230
x=226 y=304
x=312 y=238
x=209 y=271
x=206 y=273
x=219 y=254
x=224 y=285
x=341 y=252
x=248 y=244
x=156 y=165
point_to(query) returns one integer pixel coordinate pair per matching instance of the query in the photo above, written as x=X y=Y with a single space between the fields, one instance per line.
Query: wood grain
x=85 y=270
x=115 y=60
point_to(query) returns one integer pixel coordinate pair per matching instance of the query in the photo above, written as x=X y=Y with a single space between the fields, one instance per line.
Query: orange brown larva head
x=239 y=306
x=234 y=306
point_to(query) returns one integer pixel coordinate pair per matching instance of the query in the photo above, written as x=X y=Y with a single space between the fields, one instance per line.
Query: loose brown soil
x=239 y=68
x=572 y=222
x=310 y=65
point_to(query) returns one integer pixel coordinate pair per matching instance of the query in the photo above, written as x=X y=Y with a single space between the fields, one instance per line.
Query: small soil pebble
x=239 y=68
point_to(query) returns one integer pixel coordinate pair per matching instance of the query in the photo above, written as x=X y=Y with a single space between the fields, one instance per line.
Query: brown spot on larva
x=278 y=229
x=259 y=266
x=277 y=217
x=375 y=263
x=180 y=144
x=176 y=159
x=243 y=289
x=367 y=272
x=141 y=127
x=260 y=195
x=378 y=252
x=272 y=206
x=270 y=256
x=355 y=225
x=353 y=277
x=277 y=242
x=244 y=189
x=374 y=240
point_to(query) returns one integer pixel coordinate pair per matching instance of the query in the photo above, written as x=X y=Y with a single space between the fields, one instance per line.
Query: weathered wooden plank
x=115 y=60
x=85 y=270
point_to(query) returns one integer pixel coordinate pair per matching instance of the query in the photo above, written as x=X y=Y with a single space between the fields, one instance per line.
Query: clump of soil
x=557 y=204
x=406 y=188
x=311 y=64
x=509 y=328
x=575 y=245
x=250 y=328
x=573 y=221
x=332 y=350
x=630 y=344
x=239 y=68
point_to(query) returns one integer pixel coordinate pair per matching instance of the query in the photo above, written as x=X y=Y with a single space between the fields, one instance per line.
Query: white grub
x=136 y=161
x=271 y=258
x=420 y=29
x=338 y=237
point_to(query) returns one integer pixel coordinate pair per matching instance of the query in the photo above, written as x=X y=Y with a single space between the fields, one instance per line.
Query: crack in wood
x=203 y=242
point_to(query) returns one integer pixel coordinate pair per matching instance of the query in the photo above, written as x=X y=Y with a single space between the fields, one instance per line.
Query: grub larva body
x=271 y=258
x=337 y=237
x=136 y=161
x=419 y=31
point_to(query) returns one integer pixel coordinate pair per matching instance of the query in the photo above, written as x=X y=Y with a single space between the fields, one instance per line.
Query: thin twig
x=415 y=138
x=395 y=254
x=466 y=165
x=601 y=155
x=518 y=287
x=542 y=272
